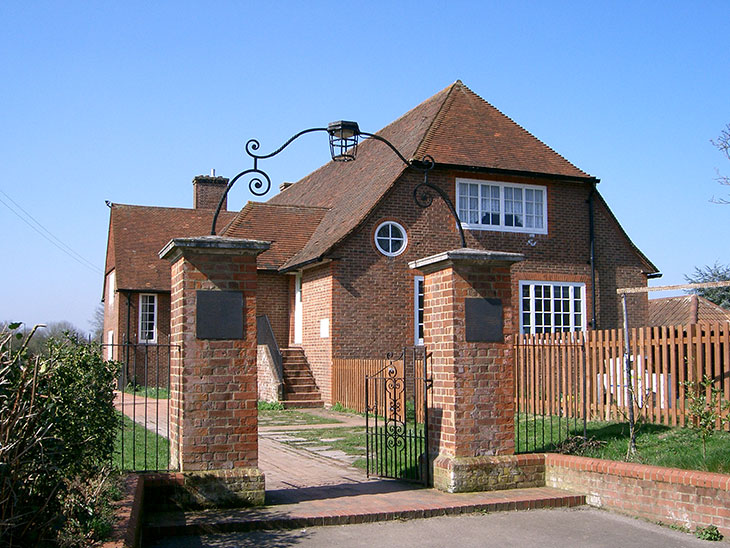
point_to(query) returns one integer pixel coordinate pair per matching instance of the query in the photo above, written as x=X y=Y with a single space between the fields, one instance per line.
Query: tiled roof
x=288 y=228
x=680 y=311
x=138 y=233
x=455 y=126
x=468 y=131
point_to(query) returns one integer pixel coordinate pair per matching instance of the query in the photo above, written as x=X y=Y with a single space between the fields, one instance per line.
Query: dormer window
x=507 y=207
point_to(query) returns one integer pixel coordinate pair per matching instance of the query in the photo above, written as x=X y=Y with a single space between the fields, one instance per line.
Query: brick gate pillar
x=213 y=414
x=468 y=327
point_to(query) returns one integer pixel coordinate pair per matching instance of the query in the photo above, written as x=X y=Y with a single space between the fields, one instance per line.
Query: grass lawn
x=290 y=417
x=659 y=445
x=348 y=439
x=135 y=438
x=156 y=392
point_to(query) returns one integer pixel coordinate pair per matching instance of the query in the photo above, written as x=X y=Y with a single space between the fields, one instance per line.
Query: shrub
x=57 y=426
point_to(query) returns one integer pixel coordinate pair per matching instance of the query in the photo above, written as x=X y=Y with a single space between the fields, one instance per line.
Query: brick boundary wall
x=681 y=497
x=128 y=515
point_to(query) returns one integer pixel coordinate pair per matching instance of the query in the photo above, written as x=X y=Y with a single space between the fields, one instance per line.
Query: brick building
x=335 y=282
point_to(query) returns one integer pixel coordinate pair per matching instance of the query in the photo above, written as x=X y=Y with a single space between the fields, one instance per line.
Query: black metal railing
x=396 y=418
x=142 y=400
x=550 y=391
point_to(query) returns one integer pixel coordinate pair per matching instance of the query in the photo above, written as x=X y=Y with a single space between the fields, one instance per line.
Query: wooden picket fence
x=348 y=382
x=577 y=375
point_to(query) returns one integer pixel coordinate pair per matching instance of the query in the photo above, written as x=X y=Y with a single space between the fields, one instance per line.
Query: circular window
x=390 y=238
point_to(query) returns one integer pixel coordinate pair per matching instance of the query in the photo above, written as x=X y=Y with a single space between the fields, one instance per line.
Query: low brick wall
x=128 y=515
x=269 y=387
x=682 y=497
x=487 y=473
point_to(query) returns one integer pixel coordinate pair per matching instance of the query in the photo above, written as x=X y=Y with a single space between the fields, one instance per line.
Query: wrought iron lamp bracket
x=260 y=182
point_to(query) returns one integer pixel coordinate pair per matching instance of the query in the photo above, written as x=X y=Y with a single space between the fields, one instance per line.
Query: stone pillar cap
x=466 y=254
x=212 y=244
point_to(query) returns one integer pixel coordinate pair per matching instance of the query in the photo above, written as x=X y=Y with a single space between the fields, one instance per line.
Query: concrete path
x=555 y=528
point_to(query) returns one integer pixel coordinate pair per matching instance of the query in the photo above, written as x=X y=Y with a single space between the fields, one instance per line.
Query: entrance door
x=298 y=318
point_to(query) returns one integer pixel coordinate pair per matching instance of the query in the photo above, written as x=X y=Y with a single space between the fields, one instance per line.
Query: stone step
x=293 y=396
x=359 y=505
x=303 y=404
x=299 y=381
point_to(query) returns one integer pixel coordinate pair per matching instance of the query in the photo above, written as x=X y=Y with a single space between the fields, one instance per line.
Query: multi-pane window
x=390 y=238
x=147 y=318
x=418 y=308
x=501 y=206
x=547 y=307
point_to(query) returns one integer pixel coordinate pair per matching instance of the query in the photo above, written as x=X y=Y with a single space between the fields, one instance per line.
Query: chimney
x=284 y=186
x=207 y=191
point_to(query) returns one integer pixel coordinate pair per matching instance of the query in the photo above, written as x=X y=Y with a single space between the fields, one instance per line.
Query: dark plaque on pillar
x=484 y=320
x=219 y=315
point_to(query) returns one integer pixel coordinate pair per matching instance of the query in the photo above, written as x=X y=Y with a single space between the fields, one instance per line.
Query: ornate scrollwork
x=257 y=186
x=252 y=145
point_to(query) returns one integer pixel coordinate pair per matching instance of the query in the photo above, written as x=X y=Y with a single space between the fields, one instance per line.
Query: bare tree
x=712 y=273
x=723 y=145
x=97 y=323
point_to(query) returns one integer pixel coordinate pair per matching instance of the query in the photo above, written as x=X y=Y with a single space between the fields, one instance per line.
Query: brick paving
x=305 y=487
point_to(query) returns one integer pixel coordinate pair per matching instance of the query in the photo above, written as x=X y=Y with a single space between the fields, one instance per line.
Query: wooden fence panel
x=556 y=372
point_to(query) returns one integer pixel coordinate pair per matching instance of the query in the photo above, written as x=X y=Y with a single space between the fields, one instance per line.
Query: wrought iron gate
x=396 y=417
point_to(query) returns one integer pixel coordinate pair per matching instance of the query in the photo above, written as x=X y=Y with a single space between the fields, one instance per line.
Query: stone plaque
x=484 y=320
x=219 y=315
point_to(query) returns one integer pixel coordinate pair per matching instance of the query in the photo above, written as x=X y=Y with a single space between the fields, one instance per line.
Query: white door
x=298 y=309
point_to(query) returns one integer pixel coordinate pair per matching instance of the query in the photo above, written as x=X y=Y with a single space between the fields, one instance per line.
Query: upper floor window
x=390 y=238
x=507 y=207
x=548 y=307
x=110 y=289
x=148 y=318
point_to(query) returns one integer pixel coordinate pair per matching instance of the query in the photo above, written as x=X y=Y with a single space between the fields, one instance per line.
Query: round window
x=390 y=238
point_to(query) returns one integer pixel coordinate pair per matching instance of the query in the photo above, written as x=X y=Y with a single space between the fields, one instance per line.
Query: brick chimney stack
x=207 y=191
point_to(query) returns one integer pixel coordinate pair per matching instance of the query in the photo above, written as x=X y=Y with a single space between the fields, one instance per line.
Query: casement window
x=390 y=238
x=548 y=307
x=418 y=309
x=507 y=207
x=148 y=318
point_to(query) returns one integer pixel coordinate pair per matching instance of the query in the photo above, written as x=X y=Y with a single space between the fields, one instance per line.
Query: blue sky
x=128 y=101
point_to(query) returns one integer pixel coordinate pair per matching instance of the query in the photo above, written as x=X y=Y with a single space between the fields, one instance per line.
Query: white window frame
x=405 y=239
x=111 y=290
x=417 y=280
x=140 y=330
x=298 y=310
x=110 y=344
x=572 y=325
x=501 y=226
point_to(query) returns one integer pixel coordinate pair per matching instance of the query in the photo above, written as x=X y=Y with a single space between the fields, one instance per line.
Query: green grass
x=135 y=436
x=350 y=440
x=658 y=445
x=156 y=392
x=291 y=417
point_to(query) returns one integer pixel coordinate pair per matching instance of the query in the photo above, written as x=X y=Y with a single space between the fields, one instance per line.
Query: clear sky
x=128 y=101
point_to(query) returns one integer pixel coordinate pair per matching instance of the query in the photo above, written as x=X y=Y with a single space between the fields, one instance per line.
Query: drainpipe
x=592 y=237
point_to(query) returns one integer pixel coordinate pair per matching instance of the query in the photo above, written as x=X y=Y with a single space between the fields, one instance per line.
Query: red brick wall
x=213 y=413
x=273 y=300
x=473 y=408
x=682 y=497
x=317 y=305
x=367 y=283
